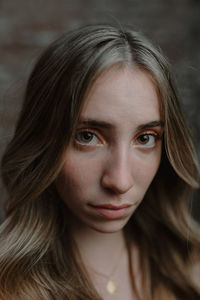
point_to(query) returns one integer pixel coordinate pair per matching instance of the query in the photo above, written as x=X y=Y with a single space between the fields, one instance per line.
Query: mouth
x=110 y=211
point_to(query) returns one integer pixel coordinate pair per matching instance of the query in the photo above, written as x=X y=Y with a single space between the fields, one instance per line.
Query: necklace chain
x=111 y=285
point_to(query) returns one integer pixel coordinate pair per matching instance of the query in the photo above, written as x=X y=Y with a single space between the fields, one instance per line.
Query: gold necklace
x=111 y=285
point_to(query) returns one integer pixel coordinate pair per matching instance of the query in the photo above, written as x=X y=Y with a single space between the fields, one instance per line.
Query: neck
x=98 y=250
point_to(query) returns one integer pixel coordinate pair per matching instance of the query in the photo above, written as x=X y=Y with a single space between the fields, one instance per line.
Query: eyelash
x=78 y=135
x=150 y=134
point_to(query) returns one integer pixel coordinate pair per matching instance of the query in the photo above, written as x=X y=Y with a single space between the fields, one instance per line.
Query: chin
x=110 y=226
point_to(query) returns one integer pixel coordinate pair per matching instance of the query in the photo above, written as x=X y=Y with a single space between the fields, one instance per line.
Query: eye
x=147 y=139
x=86 y=138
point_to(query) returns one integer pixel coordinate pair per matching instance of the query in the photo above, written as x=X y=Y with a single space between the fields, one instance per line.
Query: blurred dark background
x=28 y=26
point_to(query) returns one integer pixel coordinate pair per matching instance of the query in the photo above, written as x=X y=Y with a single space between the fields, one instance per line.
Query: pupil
x=144 y=138
x=87 y=136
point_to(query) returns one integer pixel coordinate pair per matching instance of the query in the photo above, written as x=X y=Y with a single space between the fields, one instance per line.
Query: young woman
x=99 y=174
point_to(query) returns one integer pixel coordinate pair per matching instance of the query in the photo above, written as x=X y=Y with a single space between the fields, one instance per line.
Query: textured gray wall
x=27 y=26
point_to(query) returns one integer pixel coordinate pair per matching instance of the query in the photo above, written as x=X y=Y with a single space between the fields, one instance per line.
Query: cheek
x=76 y=176
x=146 y=169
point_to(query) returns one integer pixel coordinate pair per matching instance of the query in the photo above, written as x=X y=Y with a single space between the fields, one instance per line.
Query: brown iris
x=143 y=139
x=84 y=137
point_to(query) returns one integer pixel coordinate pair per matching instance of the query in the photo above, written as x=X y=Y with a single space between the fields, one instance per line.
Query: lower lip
x=111 y=213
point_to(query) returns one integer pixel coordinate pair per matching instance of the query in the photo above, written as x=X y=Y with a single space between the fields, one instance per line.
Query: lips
x=110 y=206
x=110 y=211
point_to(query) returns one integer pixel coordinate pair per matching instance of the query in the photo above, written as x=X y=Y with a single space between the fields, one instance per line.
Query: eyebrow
x=151 y=124
x=107 y=125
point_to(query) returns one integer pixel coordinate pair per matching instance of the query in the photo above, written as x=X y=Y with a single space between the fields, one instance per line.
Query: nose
x=117 y=176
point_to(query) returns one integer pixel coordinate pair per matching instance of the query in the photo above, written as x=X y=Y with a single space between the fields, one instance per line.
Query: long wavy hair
x=38 y=256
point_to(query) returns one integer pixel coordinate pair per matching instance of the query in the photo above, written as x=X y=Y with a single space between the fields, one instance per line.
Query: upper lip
x=111 y=206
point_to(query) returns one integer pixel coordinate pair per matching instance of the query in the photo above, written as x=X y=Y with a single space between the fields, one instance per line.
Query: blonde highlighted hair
x=38 y=256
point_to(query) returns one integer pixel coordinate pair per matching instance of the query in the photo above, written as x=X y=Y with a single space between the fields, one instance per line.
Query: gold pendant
x=111 y=287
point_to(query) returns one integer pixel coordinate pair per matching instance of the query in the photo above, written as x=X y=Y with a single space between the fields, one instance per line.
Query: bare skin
x=108 y=168
x=104 y=253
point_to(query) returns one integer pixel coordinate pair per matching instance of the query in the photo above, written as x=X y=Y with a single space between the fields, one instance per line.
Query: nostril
x=116 y=184
x=117 y=175
x=110 y=191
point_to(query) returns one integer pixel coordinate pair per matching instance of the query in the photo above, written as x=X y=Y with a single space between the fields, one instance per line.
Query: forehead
x=123 y=94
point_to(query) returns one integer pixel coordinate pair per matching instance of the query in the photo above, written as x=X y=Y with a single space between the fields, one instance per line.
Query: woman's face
x=116 y=150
